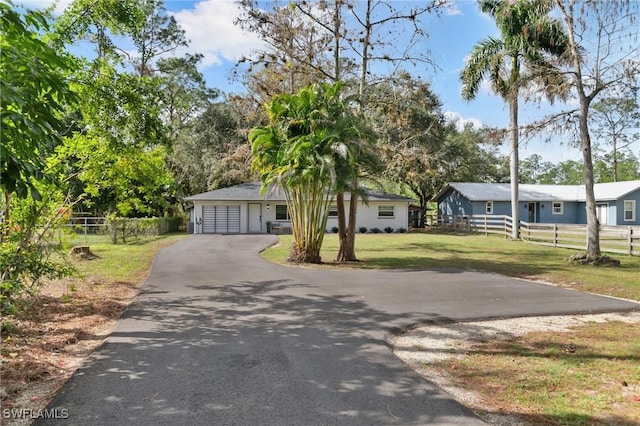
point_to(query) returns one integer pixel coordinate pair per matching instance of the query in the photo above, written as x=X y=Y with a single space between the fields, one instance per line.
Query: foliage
x=602 y=59
x=523 y=54
x=30 y=253
x=124 y=228
x=614 y=120
x=131 y=181
x=571 y=172
x=34 y=93
x=301 y=150
x=388 y=230
x=362 y=229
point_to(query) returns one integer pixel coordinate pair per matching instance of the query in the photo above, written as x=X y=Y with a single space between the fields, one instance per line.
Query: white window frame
x=288 y=218
x=333 y=211
x=384 y=209
x=632 y=210
x=560 y=204
x=488 y=207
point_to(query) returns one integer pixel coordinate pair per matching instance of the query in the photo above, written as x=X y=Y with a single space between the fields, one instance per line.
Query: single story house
x=242 y=209
x=617 y=203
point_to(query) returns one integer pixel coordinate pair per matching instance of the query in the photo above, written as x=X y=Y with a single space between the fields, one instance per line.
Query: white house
x=241 y=209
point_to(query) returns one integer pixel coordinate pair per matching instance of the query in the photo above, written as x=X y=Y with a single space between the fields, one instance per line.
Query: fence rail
x=613 y=239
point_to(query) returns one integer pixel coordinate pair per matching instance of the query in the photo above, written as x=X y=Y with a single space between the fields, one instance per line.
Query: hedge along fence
x=123 y=228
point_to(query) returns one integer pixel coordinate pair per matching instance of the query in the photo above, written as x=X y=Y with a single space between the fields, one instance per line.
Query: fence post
x=485 y=226
x=630 y=239
x=555 y=235
x=85 y=230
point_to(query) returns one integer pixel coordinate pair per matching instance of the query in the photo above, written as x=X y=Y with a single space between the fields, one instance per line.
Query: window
x=333 y=211
x=386 y=212
x=489 y=207
x=281 y=212
x=557 y=207
x=629 y=210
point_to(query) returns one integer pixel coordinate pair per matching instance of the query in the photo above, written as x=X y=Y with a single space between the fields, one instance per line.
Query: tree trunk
x=342 y=225
x=593 y=227
x=515 y=172
x=6 y=215
x=347 y=250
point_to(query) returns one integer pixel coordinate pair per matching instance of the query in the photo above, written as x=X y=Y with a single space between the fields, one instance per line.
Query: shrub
x=376 y=230
x=388 y=229
x=401 y=230
x=335 y=229
x=362 y=230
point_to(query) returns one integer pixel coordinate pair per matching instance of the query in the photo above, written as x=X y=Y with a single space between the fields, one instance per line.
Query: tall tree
x=158 y=34
x=603 y=56
x=34 y=94
x=345 y=38
x=529 y=38
x=301 y=150
x=617 y=123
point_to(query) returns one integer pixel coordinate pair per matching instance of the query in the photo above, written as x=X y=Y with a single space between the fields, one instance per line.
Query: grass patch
x=590 y=376
x=478 y=252
x=124 y=262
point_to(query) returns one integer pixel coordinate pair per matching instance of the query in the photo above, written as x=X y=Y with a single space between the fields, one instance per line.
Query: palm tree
x=529 y=40
x=303 y=150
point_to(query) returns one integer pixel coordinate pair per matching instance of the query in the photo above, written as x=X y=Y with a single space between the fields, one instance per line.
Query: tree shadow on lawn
x=268 y=352
x=503 y=263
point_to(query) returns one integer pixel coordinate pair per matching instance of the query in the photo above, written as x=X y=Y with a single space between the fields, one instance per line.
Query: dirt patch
x=50 y=339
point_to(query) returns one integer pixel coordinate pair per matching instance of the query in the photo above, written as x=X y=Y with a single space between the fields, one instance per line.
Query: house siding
x=451 y=201
x=367 y=216
x=620 y=209
x=454 y=204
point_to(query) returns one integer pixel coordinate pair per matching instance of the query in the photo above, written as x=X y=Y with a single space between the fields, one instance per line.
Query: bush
x=388 y=229
x=123 y=228
x=401 y=230
x=362 y=230
x=335 y=229
x=376 y=230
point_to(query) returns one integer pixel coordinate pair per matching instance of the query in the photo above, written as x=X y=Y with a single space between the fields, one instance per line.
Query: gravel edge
x=421 y=346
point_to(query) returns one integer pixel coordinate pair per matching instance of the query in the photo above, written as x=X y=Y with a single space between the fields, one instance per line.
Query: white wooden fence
x=613 y=239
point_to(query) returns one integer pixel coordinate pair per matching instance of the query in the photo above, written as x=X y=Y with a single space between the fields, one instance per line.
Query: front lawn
x=588 y=376
x=490 y=254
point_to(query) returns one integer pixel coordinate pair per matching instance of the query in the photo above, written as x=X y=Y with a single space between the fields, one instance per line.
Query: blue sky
x=209 y=26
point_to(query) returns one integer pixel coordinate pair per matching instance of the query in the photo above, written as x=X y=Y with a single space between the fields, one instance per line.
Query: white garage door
x=220 y=219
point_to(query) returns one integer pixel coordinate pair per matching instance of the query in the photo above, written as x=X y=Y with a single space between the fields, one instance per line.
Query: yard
x=588 y=376
x=42 y=347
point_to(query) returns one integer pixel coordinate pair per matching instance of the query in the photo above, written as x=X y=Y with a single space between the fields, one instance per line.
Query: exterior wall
x=452 y=203
x=367 y=215
x=619 y=214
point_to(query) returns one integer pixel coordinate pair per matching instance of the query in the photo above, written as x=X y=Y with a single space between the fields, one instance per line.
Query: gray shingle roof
x=250 y=191
x=502 y=191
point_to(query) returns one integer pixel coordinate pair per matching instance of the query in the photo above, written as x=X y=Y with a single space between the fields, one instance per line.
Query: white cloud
x=461 y=122
x=60 y=5
x=452 y=9
x=210 y=28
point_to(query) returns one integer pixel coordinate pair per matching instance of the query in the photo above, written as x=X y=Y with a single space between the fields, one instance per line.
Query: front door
x=602 y=211
x=255 y=217
x=532 y=213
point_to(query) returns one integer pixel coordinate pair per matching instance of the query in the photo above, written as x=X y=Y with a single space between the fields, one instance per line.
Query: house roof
x=527 y=192
x=250 y=191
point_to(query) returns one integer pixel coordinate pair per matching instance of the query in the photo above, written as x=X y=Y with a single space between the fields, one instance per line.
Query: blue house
x=617 y=203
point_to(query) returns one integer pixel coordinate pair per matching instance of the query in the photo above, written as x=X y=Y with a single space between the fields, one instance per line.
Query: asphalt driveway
x=220 y=336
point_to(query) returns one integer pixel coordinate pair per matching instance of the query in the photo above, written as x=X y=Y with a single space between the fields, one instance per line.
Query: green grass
x=124 y=262
x=479 y=252
x=590 y=376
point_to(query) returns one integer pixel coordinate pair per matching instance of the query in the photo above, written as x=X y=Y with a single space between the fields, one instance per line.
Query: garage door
x=220 y=219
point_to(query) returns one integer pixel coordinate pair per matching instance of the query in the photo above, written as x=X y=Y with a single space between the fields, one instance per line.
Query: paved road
x=220 y=336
